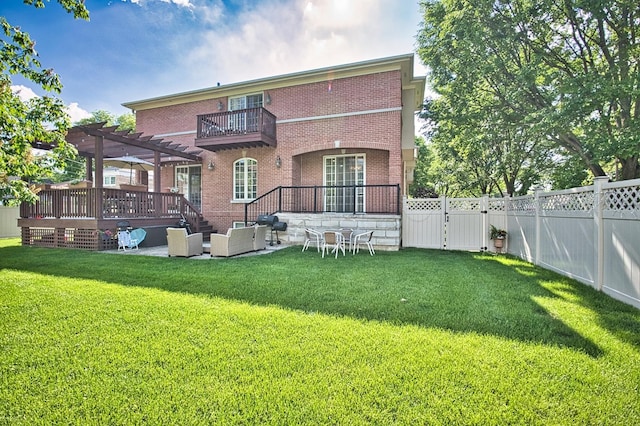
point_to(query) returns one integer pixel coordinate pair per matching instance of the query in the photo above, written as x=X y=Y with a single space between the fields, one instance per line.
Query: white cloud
x=282 y=36
x=24 y=93
x=76 y=113
x=184 y=3
x=73 y=109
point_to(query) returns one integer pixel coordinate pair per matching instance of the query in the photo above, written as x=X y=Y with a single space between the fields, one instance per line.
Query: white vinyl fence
x=9 y=221
x=591 y=234
x=451 y=223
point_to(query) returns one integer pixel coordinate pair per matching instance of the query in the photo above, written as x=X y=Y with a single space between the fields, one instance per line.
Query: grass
x=410 y=337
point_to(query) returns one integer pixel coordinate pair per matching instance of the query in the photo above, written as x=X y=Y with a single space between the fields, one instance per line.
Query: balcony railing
x=246 y=128
x=355 y=199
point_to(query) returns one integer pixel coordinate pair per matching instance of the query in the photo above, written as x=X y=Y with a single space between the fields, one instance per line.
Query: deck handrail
x=106 y=203
x=355 y=199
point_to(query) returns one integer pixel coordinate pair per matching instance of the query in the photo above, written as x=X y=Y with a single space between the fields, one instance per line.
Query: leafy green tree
x=125 y=121
x=560 y=71
x=422 y=186
x=25 y=123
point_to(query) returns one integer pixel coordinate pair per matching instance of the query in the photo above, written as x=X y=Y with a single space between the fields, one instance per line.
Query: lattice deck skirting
x=86 y=239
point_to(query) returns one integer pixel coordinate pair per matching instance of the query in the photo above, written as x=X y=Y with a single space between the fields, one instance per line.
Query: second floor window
x=109 y=181
x=245 y=182
x=245 y=102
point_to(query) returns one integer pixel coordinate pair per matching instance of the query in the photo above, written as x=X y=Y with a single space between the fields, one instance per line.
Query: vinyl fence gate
x=451 y=223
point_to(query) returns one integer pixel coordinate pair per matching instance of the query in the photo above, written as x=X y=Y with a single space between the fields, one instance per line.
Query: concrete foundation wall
x=386 y=235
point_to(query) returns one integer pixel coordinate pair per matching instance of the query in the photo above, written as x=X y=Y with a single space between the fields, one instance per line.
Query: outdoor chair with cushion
x=312 y=237
x=235 y=241
x=363 y=238
x=259 y=237
x=333 y=240
x=183 y=244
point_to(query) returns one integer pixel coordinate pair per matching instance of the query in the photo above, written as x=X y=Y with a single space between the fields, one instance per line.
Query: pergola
x=95 y=141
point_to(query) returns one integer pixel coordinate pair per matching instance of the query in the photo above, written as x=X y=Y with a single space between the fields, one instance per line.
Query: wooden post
x=98 y=184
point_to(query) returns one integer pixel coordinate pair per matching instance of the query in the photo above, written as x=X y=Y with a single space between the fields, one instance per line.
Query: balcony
x=246 y=128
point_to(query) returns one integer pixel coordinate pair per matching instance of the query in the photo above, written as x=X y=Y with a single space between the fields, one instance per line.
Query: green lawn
x=410 y=337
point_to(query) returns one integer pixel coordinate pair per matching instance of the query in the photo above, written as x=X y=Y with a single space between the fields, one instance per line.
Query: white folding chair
x=312 y=237
x=363 y=238
x=125 y=241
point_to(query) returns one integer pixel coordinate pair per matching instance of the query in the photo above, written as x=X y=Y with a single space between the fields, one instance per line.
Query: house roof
x=404 y=63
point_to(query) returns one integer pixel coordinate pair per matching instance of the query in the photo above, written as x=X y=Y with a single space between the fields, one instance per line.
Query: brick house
x=345 y=125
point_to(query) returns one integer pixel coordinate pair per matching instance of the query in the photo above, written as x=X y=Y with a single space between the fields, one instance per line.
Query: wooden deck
x=87 y=218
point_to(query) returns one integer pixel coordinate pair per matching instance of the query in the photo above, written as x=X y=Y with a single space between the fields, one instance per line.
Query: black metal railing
x=353 y=199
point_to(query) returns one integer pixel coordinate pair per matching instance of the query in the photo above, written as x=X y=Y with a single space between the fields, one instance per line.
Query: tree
x=422 y=185
x=560 y=71
x=125 y=121
x=38 y=120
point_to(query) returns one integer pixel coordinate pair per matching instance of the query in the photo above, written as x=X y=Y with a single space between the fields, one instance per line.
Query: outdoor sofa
x=238 y=241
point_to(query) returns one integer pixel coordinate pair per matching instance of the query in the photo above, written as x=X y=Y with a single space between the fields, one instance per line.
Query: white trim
x=164 y=135
x=298 y=120
x=346 y=114
x=364 y=175
x=245 y=182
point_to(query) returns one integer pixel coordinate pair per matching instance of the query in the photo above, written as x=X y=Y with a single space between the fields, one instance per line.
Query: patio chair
x=126 y=241
x=312 y=237
x=333 y=240
x=183 y=244
x=363 y=238
x=347 y=233
x=138 y=234
x=259 y=237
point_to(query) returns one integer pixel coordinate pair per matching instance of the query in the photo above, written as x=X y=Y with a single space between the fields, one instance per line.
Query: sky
x=138 y=49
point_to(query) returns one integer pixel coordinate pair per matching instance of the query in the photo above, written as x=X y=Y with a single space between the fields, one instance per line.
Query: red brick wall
x=301 y=144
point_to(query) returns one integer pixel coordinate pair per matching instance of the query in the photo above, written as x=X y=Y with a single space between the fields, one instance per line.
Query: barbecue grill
x=274 y=224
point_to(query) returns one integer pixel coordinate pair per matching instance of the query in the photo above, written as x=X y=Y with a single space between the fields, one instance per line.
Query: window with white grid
x=245 y=179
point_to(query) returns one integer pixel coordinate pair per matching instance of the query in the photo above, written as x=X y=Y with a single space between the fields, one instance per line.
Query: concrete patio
x=161 y=251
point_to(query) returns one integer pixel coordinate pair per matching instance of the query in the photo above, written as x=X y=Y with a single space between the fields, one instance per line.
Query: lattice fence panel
x=497 y=205
x=523 y=205
x=568 y=202
x=623 y=200
x=424 y=204
x=464 y=205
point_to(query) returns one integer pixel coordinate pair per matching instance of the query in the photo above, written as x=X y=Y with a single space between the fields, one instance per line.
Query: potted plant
x=498 y=236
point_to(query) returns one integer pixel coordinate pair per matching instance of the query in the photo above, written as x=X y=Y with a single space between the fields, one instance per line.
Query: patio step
x=206 y=229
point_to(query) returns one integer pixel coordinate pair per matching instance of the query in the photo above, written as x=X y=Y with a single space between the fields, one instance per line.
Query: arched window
x=245 y=179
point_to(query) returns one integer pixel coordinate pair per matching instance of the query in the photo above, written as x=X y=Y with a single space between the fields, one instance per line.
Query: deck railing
x=102 y=203
x=355 y=199
x=229 y=123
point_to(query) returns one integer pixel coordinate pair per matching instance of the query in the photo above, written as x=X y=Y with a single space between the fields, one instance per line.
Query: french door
x=243 y=120
x=188 y=182
x=342 y=173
